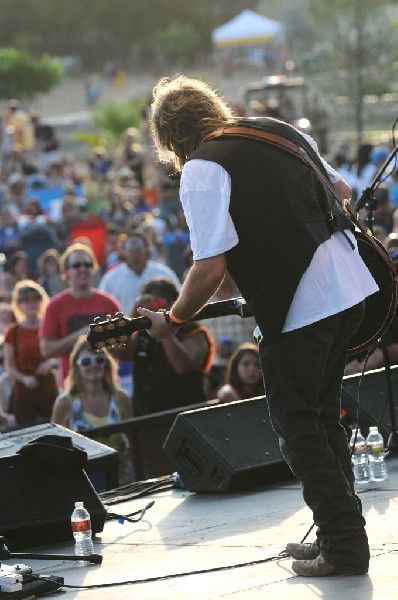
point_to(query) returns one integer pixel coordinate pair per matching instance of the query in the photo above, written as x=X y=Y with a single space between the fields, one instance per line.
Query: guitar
x=379 y=308
x=116 y=331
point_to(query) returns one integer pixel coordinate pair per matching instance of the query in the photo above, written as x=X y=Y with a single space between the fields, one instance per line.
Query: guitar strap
x=301 y=154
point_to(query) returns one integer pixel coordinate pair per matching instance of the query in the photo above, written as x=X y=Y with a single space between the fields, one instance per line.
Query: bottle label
x=377 y=449
x=81 y=526
x=360 y=448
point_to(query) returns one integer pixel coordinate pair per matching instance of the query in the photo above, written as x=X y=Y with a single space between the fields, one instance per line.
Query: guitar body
x=380 y=307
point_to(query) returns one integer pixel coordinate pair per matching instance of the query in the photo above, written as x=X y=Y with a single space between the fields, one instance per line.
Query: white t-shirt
x=126 y=285
x=336 y=279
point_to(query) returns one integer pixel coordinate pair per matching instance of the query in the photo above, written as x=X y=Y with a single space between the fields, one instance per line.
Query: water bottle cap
x=79 y=504
x=373 y=428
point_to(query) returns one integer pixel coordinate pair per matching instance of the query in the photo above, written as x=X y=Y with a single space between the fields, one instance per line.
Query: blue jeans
x=303 y=372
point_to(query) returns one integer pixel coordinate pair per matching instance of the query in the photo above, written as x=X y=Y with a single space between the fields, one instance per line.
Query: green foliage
x=179 y=42
x=24 y=76
x=90 y=138
x=100 y=30
x=114 y=117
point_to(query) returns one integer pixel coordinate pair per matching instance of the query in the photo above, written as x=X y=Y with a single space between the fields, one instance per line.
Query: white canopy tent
x=247 y=29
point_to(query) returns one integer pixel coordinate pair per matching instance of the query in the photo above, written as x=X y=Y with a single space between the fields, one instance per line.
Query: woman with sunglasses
x=92 y=398
x=34 y=387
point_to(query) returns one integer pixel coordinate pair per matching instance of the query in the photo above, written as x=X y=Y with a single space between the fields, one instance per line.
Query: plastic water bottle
x=81 y=527
x=359 y=458
x=376 y=455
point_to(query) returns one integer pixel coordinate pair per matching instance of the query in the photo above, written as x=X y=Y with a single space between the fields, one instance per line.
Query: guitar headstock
x=109 y=332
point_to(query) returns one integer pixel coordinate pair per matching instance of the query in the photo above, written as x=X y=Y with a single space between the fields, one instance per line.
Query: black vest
x=281 y=212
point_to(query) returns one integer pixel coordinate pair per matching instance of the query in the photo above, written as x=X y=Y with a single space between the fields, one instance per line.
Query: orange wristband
x=170 y=318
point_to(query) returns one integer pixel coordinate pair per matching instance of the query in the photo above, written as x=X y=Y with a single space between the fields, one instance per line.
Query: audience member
x=16 y=193
x=363 y=167
x=112 y=251
x=126 y=279
x=7 y=418
x=121 y=210
x=10 y=233
x=92 y=398
x=17 y=268
x=244 y=378
x=50 y=277
x=99 y=164
x=34 y=387
x=69 y=312
x=384 y=213
x=19 y=119
x=129 y=153
x=45 y=135
x=167 y=373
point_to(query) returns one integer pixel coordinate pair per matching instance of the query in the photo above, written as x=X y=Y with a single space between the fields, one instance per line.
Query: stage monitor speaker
x=102 y=465
x=38 y=489
x=374 y=408
x=226 y=448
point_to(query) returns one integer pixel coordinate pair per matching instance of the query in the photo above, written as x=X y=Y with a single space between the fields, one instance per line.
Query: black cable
x=176 y=575
x=123 y=518
x=137 y=489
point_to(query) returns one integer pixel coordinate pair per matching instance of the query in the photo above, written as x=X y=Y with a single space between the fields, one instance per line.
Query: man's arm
x=202 y=281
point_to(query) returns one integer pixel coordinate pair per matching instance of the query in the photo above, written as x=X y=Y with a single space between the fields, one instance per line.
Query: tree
x=357 y=46
x=114 y=117
x=23 y=76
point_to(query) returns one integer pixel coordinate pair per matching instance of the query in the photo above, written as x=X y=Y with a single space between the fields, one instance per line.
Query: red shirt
x=66 y=314
x=25 y=342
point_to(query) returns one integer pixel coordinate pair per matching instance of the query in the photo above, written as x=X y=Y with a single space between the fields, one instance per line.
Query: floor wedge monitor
x=226 y=448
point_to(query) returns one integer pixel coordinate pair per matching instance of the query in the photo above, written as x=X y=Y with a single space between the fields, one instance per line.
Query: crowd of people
x=81 y=239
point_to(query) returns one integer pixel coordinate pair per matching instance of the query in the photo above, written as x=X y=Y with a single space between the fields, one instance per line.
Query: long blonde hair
x=73 y=382
x=24 y=287
x=184 y=110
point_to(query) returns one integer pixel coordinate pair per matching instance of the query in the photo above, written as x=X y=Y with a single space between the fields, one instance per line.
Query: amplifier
x=102 y=466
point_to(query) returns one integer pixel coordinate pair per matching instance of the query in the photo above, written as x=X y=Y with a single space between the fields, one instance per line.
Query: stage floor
x=204 y=547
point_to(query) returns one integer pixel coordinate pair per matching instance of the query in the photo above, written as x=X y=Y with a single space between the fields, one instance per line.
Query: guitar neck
x=116 y=330
x=221 y=308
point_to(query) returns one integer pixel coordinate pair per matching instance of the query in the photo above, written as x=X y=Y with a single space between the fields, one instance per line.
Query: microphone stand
x=5 y=554
x=368 y=201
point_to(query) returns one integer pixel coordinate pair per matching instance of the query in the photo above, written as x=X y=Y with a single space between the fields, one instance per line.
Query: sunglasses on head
x=78 y=265
x=87 y=361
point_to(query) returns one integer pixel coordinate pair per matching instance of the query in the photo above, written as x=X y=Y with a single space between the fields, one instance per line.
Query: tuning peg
x=122 y=346
x=97 y=319
x=119 y=315
x=109 y=317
